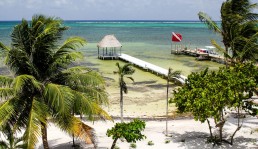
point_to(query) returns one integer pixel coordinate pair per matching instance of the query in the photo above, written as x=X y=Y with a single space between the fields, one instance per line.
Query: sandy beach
x=183 y=134
x=146 y=100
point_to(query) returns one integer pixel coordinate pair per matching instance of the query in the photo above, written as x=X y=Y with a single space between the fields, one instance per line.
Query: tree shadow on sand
x=194 y=140
x=68 y=145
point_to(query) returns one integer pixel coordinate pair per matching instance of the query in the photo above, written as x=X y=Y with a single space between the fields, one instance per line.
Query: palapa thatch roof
x=109 y=41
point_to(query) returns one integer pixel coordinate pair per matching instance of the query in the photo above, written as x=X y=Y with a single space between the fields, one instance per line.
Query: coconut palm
x=238 y=29
x=45 y=84
x=11 y=142
x=123 y=71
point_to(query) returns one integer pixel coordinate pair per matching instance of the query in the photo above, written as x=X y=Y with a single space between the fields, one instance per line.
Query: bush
x=133 y=145
x=131 y=132
x=150 y=143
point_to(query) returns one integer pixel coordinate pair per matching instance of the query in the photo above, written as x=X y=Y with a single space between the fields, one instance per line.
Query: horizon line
x=109 y=20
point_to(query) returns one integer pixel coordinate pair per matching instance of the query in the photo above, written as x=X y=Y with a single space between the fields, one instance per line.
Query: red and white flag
x=176 y=37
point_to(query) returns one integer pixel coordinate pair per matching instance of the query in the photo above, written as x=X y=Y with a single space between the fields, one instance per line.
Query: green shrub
x=131 y=131
x=133 y=145
x=167 y=141
x=150 y=143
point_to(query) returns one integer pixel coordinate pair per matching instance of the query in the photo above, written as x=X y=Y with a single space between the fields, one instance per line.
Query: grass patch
x=150 y=143
x=167 y=141
x=132 y=145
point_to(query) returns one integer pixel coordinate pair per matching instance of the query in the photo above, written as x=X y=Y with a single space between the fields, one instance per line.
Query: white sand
x=183 y=133
x=147 y=99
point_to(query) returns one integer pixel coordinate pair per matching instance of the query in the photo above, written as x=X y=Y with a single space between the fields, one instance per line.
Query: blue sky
x=110 y=9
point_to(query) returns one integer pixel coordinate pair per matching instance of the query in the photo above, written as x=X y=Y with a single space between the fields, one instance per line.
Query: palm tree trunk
x=121 y=104
x=44 y=135
x=73 y=133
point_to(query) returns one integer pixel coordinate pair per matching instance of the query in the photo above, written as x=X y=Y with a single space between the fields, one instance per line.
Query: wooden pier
x=149 y=67
x=200 y=55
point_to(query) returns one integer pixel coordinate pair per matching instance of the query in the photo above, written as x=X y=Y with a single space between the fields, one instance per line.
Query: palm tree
x=123 y=71
x=45 y=85
x=11 y=142
x=172 y=75
x=238 y=29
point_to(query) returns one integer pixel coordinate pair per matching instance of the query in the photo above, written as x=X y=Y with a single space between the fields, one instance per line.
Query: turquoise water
x=147 y=40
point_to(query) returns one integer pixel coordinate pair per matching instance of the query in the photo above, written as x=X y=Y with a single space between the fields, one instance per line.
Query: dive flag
x=176 y=37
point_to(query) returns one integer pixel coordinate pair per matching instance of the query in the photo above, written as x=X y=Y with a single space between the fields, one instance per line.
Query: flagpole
x=168 y=78
x=171 y=47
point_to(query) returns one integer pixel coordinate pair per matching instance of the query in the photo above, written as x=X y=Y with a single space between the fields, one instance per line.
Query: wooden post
x=168 y=78
x=103 y=53
x=98 y=52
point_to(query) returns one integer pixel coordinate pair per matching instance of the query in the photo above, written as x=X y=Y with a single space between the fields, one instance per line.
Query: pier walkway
x=149 y=67
x=200 y=55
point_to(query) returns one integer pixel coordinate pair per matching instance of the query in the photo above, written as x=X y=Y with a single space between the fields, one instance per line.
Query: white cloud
x=33 y=3
x=110 y=9
x=7 y=2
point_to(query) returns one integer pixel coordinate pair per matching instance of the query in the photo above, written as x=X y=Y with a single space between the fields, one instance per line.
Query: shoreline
x=182 y=134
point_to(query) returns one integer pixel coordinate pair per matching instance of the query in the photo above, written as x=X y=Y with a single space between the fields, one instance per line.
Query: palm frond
x=217 y=46
x=21 y=37
x=84 y=104
x=209 y=22
x=173 y=74
x=5 y=81
x=250 y=46
x=3 y=144
x=100 y=112
x=90 y=78
x=77 y=69
x=6 y=111
x=98 y=95
x=19 y=62
x=118 y=65
x=6 y=93
x=127 y=69
x=33 y=128
x=22 y=81
x=59 y=98
x=66 y=54
x=62 y=61
x=18 y=142
x=71 y=43
x=131 y=78
x=84 y=132
x=4 y=48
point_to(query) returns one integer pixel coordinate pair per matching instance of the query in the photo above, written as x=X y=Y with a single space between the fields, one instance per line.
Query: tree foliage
x=131 y=131
x=238 y=30
x=46 y=85
x=11 y=140
x=208 y=93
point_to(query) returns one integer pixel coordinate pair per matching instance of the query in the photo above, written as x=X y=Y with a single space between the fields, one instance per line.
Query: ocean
x=147 y=40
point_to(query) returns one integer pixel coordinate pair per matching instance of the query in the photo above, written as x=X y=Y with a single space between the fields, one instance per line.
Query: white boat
x=207 y=50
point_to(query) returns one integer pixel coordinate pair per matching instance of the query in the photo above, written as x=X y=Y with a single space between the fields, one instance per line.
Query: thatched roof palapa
x=109 y=41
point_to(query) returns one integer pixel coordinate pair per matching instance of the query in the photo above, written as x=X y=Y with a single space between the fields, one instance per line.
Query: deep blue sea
x=148 y=40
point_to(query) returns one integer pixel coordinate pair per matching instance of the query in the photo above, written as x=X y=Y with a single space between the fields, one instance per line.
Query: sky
x=110 y=9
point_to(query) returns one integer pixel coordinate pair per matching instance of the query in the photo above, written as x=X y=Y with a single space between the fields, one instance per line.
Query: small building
x=109 y=48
